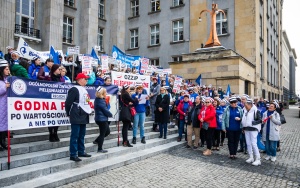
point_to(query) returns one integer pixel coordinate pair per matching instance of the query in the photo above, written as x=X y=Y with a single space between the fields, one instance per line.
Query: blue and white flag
x=126 y=59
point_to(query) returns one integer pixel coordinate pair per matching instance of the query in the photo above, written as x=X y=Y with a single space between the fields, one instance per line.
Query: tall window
x=69 y=3
x=134 y=37
x=261 y=26
x=221 y=23
x=100 y=38
x=101 y=9
x=261 y=66
x=154 y=34
x=274 y=78
x=25 y=11
x=154 y=62
x=267 y=38
x=68 y=30
x=134 y=8
x=177 y=3
x=177 y=30
x=268 y=76
x=271 y=44
x=155 y=5
x=271 y=74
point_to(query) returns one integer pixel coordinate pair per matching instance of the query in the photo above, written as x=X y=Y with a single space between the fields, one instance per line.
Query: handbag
x=132 y=111
x=282 y=119
x=205 y=125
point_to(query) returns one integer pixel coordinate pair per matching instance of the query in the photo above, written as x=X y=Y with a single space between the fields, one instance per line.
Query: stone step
x=116 y=157
x=68 y=127
x=23 y=148
x=62 y=152
x=34 y=137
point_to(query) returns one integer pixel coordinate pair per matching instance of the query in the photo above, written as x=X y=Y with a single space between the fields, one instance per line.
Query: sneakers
x=273 y=159
x=268 y=158
x=250 y=160
x=256 y=163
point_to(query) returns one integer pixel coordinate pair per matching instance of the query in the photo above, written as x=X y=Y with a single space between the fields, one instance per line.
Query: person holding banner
x=63 y=72
x=34 y=68
x=125 y=114
x=44 y=72
x=101 y=117
x=4 y=73
x=139 y=118
x=154 y=91
x=78 y=108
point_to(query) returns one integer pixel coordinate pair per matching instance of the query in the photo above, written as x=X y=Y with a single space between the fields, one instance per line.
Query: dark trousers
x=126 y=125
x=77 y=139
x=102 y=128
x=53 y=129
x=217 y=134
x=163 y=128
x=202 y=136
x=223 y=136
x=208 y=134
x=243 y=144
x=233 y=141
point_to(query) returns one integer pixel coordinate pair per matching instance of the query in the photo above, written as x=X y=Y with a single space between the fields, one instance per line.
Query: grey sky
x=292 y=27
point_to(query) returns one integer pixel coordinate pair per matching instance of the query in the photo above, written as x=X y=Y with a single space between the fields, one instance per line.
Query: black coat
x=77 y=115
x=125 y=114
x=194 y=120
x=162 y=102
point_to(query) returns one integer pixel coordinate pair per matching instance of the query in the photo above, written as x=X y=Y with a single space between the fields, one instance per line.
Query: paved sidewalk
x=189 y=168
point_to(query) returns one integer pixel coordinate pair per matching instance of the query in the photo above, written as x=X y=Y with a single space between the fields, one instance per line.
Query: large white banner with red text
x=121 y=78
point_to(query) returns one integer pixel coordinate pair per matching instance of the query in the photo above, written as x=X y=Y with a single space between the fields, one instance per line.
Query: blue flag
x=228 y=90
x=158 y=79
x=54 y=55
x=199 y=80
x=167 y=80
x=94 y=55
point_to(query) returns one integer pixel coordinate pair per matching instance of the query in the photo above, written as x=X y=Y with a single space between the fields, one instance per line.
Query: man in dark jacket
x=154 y=92
x=78 y=109
x=194 y=124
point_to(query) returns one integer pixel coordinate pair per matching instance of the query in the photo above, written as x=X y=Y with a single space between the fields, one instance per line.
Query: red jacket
x=180 y=109
x=210 y=116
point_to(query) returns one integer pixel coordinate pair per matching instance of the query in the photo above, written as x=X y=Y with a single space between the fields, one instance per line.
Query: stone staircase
x=36 y=162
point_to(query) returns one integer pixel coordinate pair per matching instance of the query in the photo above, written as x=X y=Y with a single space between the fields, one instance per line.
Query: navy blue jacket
x=140 y=108
x=101 y=111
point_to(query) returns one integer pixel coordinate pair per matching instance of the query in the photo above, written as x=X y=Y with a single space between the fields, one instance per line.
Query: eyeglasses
x=207 y=102
x=233 y=102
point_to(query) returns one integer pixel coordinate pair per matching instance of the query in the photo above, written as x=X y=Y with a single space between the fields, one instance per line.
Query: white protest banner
x=121 y=78
x=167 y=71
x=144 y=65
x=104 y=61
x=36 y=103
x=73 y=50
x=86 y=62
x=28 y=53
x=177 y=84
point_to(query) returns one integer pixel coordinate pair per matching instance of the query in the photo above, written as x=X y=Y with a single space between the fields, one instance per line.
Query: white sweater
x=248 y=117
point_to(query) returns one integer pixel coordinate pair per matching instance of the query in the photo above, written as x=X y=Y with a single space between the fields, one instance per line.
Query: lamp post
x=213 y=37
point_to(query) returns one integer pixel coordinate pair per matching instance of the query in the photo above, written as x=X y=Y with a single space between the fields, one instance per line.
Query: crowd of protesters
x=203 y=111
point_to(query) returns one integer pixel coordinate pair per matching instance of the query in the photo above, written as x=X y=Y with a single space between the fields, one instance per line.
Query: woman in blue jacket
x=34 y=68
x=101 y=116
x=218 y=130
x=139 y=118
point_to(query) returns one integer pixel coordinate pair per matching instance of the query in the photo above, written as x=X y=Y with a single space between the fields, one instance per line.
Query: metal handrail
x=27 y=31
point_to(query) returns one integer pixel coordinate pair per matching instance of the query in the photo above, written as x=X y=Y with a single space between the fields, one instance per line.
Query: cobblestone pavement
x=189 y=168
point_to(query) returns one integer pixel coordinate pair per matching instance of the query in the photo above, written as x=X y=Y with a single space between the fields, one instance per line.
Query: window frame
x=221 y=21
x=67 y=24
x=156 y=34
x=101 y=5
x=134 y=9
x=67 y=3
x=178 y=58
x=154 y=62
x=100 y=37
x=20 y=14
x=176 y=3
x=261 y=66
x=156 y=5
x=178 y=30
x=135 y=37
